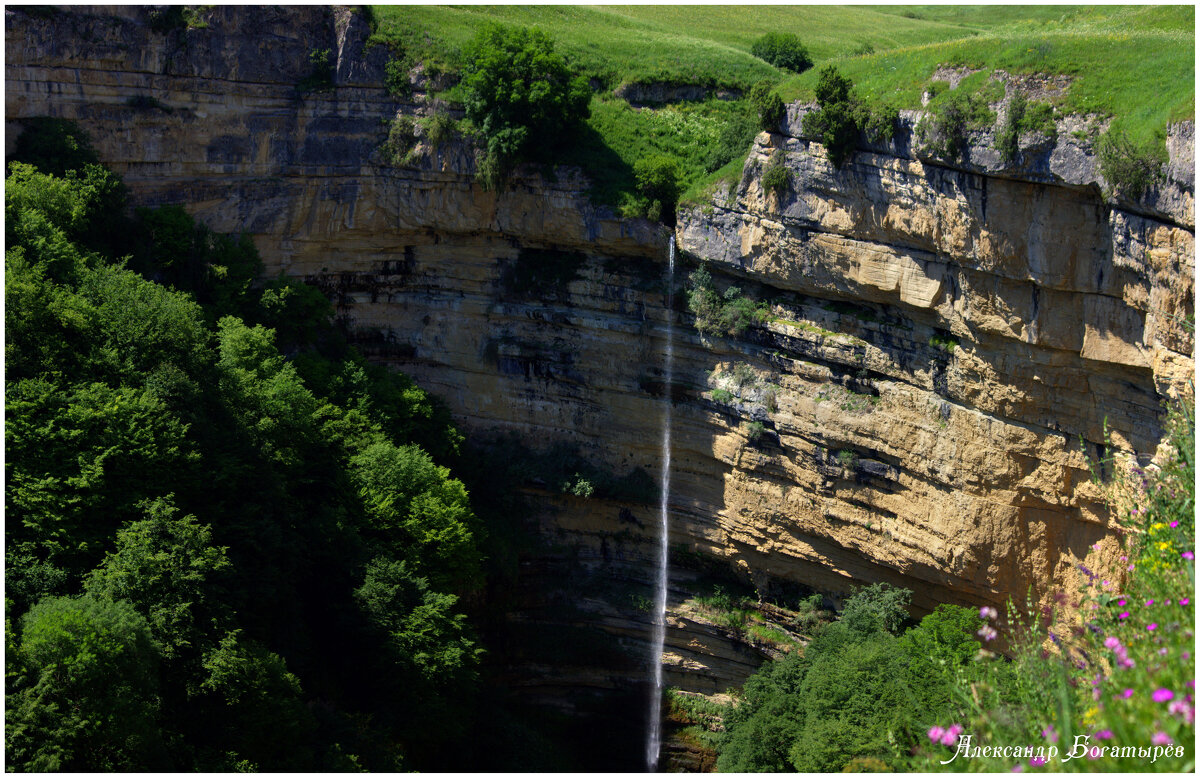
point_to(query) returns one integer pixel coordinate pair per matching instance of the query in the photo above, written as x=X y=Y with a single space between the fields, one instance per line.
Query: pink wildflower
x=1104 y=734
x=1037 y=761
x=1121 y=602
x=1050 y=734
x=1161 y=739
x=1184 y=601
x=1162 y=695
x=935 y=733
x=1112 y=644
x=987 y=612
x=1124 y=615
x=987 y=633
x=952 y=733
x=1125 y=695
x=1188 y=555
x=1152 y=626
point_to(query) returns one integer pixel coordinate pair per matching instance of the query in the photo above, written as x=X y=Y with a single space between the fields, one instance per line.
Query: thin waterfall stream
x=654 y=742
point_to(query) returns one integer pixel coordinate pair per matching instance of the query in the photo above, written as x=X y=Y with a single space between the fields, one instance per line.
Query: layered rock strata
x=940 y=337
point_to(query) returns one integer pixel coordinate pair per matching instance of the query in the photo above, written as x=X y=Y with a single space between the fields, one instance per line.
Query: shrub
x=320 y=77
x=1023 y=117
x=944 y=128
x=847 y=458
x=836 y=121
x=658 y=180
x=776 y=176
x=783 y=50
x=722 y=395
x=395 y=78
x=439 y=128
x=768 y=105
x=402 y=136
x=729 y=314
x=520 y=96
x=1128 y=168
x=579 y=486
x=754 y=431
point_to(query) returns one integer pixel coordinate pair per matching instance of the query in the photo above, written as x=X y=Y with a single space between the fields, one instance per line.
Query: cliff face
x=941 y=337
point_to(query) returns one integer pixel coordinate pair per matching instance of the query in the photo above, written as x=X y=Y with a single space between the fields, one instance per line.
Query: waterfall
x=654 y=743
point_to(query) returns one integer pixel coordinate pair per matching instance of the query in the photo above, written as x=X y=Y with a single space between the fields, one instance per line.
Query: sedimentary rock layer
x=940 y=340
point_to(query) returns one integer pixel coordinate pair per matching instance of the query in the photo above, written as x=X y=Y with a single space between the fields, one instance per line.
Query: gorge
x=945 y=347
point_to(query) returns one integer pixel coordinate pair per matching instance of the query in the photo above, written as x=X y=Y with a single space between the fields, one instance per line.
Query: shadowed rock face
x=942 y=338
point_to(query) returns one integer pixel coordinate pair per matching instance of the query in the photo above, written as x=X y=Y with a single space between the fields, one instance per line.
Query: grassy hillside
x=1134 y=64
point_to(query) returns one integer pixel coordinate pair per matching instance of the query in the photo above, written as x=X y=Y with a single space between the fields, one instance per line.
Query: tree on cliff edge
x=520 y=95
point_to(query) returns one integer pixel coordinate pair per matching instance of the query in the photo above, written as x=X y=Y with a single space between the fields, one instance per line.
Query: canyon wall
x=939 y=339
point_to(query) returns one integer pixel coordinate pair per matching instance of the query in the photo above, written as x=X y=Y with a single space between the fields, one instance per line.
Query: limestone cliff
x=942 y=336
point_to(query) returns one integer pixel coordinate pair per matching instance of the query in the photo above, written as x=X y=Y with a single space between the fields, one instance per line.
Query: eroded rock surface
x=941 y=338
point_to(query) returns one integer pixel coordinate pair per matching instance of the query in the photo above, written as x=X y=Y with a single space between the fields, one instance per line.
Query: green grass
x=1134 y=63
x=707 y=45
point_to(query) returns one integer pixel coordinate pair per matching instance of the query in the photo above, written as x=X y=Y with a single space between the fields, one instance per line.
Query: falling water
x=660 y=591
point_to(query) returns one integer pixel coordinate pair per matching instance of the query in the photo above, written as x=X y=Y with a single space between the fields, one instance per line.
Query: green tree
x=255 y=704
x=877 y=607
x=783 y=50
x=520 y=95
x=165 y=566
x=768 y=105
x=836 y=121
x=415 y=511
x=658 y=177
x=424 y=632
x=90 y=698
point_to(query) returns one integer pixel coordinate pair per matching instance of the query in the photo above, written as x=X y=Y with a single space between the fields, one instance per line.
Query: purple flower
x=1161 y=739
x=1121 y=602
x=1162 y=651
x=1184 y=601
x=1182 y=710
x=952 y=733
x=1188 y=555
x=1162 y=695
x=1125 y=662
x=987 y=612
x=987 y=633
x=1124 y=615
x=1104 y=734
x=1149 y=603
x=1050 y=734
x=935 y=733
x=1037 y=761
x=1112 y=644
x=1174 y=524
x=1152 y=626
x=1125 y=695
x=1020 y=768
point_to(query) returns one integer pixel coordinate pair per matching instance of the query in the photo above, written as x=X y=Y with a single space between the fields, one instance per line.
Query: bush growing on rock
x=842 y=116
x=776 y=176
x=658 y=179
x=768 y=104
x=520 y=95
x=1127 y=167
x=783 y=50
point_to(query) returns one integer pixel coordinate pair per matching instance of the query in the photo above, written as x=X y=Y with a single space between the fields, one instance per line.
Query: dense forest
x=232 y=543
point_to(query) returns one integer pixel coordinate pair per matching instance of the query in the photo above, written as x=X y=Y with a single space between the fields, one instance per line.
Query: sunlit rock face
x=945 y=349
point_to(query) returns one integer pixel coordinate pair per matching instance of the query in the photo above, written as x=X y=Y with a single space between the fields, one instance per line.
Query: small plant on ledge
x=320 y=78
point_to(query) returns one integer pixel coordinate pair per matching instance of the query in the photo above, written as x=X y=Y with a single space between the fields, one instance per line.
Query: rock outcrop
x=941 y=337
